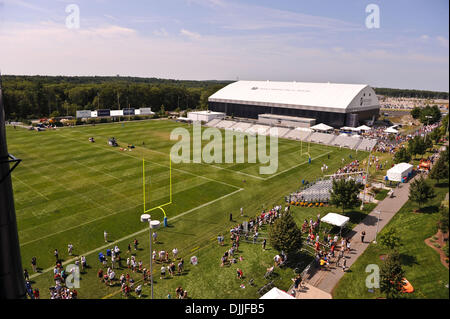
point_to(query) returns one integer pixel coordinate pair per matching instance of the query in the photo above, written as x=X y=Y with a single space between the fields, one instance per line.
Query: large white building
x=334 y=104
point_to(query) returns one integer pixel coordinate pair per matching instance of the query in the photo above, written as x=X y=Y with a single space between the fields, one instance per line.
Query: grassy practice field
x=68 y=190
x=421 y=263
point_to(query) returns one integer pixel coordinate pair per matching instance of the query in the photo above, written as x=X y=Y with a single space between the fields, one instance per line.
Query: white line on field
x=138 y=232
x=88 y=222
x=286 y=170
x=91 y=168
x=39 y=193
x=175 y=169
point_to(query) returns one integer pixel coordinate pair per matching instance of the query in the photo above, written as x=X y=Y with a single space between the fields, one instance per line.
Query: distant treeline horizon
x=33 y=96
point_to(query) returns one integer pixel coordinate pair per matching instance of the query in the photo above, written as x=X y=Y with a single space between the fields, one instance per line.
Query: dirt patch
x=442 y=240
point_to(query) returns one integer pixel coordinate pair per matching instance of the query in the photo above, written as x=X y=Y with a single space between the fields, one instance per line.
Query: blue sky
x=317 y=41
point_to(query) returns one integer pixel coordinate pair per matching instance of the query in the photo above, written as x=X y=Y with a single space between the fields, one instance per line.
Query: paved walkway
x=326 y=280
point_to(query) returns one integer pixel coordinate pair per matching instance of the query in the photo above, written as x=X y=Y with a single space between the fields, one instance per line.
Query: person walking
x=242 y=212
x=264 y=244
x=363 y=234
x=34 y=263
x=231 y=217
x=105 y=236
x=344 y=264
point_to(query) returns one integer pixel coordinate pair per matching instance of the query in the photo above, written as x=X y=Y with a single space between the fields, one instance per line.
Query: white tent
x=347 y=128
x=363 y=128
x=336 y=220
x=399 y=171
x=391 y=130
x=304 y=129
x=276 y=293
x=321 y=127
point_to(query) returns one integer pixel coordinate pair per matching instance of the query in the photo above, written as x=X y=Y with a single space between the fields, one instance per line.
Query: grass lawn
x=381 y=194
x=421 y=263
x=68 y=190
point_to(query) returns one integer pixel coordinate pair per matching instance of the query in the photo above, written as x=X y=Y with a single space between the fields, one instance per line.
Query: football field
x=68 y=190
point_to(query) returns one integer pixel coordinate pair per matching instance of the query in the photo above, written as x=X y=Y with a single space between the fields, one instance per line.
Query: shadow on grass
x=428 y=209
x=408 y=260
x=441 y=185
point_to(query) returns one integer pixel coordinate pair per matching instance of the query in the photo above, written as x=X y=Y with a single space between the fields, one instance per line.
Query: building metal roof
x=326 y=97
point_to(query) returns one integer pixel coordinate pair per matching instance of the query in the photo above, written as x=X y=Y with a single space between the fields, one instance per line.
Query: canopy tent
x=399 y=172
x=305 y=129
x=391 y=130
x=321 y=127
x=343 y=134
x=363 y=128
x=335 y=220
x=276 y=293
x=184 y=119
x=347 y=128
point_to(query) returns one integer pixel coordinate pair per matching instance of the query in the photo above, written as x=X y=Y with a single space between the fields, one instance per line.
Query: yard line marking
x=176 y=169
x=138 y=232
x=39 y=193
x=286 y=170
x=85 y=223
x=91 y=168
x=236 y=172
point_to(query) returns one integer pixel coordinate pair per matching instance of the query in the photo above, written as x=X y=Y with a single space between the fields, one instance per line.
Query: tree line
x=420 y=94
x=28 y=97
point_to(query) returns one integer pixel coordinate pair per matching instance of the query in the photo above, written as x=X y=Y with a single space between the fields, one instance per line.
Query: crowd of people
x=325 y=248
x=352 y=167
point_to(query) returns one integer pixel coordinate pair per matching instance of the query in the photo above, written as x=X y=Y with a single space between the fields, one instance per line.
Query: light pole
x=152 y=224
x=378 y=221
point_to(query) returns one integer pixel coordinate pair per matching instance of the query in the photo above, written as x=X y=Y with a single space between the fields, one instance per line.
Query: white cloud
x=442 y=41
x=190 y=34
x=50 y=48
x=161 y=32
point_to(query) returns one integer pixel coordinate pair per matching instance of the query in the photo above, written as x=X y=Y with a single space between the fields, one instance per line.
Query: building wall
x=251 y=111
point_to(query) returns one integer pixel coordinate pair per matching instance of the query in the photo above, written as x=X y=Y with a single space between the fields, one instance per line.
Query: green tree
x=391 y=276
x=415 y=112
x=390 y=239
x=162 y=110
x=344 y=193
x=443 y=218
x=417 y=146
x=402 y=156
x=439 y=170
x=444 y=127
x=420 y=192
x=285 y=235
x=55 y=114
x=435 y=135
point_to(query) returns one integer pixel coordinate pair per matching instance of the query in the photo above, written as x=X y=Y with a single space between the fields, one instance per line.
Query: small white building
x=205 y=116
x=399 y=171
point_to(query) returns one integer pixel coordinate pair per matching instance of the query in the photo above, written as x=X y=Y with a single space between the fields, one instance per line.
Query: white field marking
x=77 y=193
x=236 y=172
x=138 y=232
x=215 y=166
x=39 y=193
x=286 y=170
x=91 y=168
x=88 y=222
x=176 y=169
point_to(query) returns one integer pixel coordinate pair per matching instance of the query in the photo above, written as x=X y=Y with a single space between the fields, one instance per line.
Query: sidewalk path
x=326 y=280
